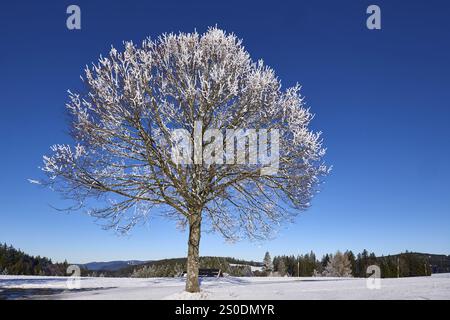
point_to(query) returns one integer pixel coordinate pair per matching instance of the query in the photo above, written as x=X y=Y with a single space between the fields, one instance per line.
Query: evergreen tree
x=281 y=267
x=268 y=265
x=325 y=260
x=17 y=262
x=352 y=259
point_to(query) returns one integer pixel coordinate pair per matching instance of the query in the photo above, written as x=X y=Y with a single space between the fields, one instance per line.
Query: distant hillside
x=440 y=263
x=16 y=262
x=407 y=264
x=111 y=265
x=170 y=267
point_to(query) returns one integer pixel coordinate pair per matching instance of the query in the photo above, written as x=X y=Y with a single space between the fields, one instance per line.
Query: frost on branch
x=135 y=98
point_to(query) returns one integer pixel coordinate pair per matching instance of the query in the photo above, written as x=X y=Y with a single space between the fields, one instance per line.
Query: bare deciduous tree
x=122 y=125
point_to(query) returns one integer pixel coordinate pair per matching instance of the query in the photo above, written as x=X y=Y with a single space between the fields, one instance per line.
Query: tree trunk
x=192 y=284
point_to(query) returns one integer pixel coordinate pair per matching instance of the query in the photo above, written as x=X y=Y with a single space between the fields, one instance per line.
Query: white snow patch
x=252 y=288
x=202 y=295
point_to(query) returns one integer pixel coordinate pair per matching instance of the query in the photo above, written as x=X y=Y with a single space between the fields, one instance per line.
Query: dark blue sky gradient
x=381 y=98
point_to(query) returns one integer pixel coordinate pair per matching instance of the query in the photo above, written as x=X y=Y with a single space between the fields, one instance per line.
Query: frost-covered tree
x=338 y=266
x=146 y=272
x=267 y=262
x=122 y=125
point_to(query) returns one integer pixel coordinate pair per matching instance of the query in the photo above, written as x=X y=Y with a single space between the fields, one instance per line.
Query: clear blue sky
x=382 y=99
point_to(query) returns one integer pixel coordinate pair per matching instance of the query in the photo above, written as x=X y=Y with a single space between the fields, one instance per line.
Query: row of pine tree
x=16 y=262
x=406 y=264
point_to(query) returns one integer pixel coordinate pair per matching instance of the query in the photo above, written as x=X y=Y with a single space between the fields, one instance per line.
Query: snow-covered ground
x=434 y=287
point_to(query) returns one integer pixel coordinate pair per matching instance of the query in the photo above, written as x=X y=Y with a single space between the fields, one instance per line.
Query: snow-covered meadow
x=434 y=287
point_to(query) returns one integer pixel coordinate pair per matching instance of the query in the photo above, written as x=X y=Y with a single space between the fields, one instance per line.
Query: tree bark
x=193 y=259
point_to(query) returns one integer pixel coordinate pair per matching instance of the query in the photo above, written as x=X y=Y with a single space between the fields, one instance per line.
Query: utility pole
x=298 y=267
x=398 y=267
